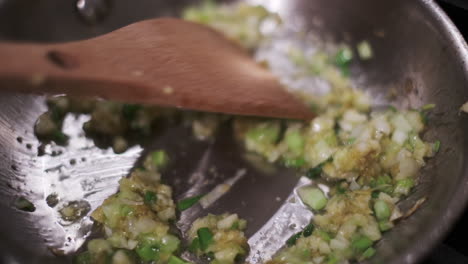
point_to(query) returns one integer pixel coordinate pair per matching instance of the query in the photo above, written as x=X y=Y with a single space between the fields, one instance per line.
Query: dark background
x=454 y=250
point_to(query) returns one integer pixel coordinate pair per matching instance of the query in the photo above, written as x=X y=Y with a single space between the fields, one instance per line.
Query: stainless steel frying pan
x=418 y=52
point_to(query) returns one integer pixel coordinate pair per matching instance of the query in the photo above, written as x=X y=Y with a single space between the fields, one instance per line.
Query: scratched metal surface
x=417 y=51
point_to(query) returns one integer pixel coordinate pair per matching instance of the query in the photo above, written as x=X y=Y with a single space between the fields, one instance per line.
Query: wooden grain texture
x=166 y=61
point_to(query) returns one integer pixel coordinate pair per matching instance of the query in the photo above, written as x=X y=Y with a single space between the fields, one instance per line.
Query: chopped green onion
x=315 y=172
x=150 y=197
x=24 y=204
x=294 y=163
x=265 y=133
x=364 y=50
x=169 y=243
x=382 y=210
x=384 y=179
x=324 y=235
x=176 y=260
x=188 y=202
x=235 y=225
x=368 y=253
x=292 y=240
x=424 y=117
x=149 y=239
x=404 y=186
x=195 y=245
x=148 y=252
x=159 y=158
x=332 y=259
x=308 y=230
x=436 y=146
x=313 y=197
x=350 y=141
x=126 y=210
x=361 y=243
x=341 y=188
x=375 y=194
x=382 y=183
x=344 y=57
x=428 y=107
x=205 y=237
x=385 y=225
x=295 y=142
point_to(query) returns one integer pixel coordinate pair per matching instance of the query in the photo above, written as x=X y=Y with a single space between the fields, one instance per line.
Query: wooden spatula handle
x=169 y=62
x=57 y=68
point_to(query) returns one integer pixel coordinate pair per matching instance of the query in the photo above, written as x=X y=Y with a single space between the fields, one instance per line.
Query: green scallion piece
x=235 y=226
x=159 y=158
x=176 y=260
x=332 y=259
x=428 y=107
x=195 y=245
x=324 y=235
x=404 y=186
x=436 y=146
x=315 y=172
x=292 y=240
x=150 y=197
x=205 y=237
x=385 y=225
x=125 y=210
x=188 y=202
x=382 y=183
x=361 y=243
x=313 y=197
x=308 y=230
x=424 y=117
x=344 y=57
x=295 y=142
x=148 y=252
x=350 y=141
x=264 y=133
x=368 y=253
x=375 y=194
x=382 y=210
x=294 y=163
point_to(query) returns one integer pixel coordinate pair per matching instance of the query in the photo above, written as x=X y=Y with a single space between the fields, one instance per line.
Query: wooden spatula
x=166 y=61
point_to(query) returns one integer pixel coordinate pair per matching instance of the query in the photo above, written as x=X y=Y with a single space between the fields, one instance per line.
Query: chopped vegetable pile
x=137 y=219
x=219 y=238
x=369 y=159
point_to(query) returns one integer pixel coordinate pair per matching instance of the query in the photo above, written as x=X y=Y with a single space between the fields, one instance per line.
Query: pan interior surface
x=417 y=53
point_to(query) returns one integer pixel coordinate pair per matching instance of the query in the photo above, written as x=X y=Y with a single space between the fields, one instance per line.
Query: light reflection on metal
x=93 y=11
